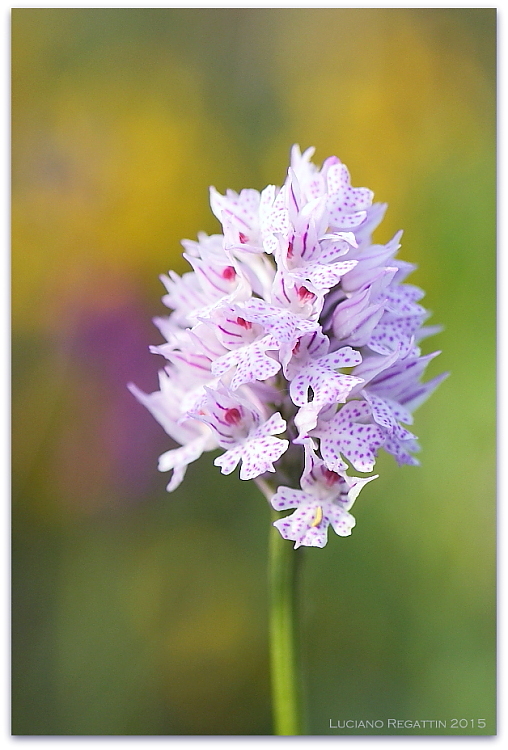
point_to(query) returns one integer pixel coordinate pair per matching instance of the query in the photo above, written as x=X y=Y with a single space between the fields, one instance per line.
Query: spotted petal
x=251 y=362
x=349 y=433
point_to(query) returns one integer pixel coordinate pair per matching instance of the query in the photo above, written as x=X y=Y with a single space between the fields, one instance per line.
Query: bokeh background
x=136 y=612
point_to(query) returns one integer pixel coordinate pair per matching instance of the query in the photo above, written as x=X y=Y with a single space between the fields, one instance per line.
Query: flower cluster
x=293 y=346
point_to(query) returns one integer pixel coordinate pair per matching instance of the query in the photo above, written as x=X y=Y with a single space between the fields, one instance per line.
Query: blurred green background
x=136 y=612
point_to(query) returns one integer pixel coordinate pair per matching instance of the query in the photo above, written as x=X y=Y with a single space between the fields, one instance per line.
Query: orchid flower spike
x=292 y=346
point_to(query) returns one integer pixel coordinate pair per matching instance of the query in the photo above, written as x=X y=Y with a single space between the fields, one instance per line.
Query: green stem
x=286 y=679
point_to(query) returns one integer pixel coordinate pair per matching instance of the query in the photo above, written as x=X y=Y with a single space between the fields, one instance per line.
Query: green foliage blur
x=136 y=612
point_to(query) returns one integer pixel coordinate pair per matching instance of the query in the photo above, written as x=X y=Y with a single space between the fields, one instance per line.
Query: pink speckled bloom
x=293 y=346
